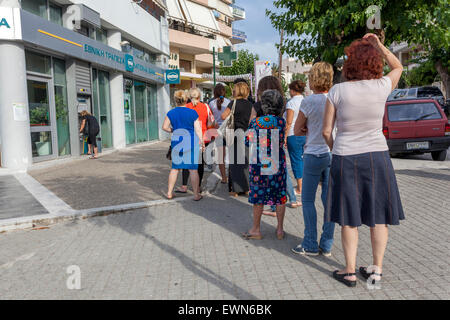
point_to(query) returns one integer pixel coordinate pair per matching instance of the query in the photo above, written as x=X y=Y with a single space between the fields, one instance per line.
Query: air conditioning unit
x=79 y=13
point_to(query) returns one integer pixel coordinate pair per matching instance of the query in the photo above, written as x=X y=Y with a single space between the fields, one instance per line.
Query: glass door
x=42 y=118
x=152 y=110
x=141 y=114
x=130 y=129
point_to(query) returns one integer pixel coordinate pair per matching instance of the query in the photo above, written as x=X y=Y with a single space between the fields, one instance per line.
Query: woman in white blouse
x=362 y=187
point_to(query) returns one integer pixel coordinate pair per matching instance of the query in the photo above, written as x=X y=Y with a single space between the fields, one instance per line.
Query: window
x=37 y=63
x=37 y=7
x=55 y=13
x=413 y=112
x=101 y=35
x=44 y=9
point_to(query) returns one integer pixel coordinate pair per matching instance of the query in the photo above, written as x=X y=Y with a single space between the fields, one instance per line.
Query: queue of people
x=333 y=139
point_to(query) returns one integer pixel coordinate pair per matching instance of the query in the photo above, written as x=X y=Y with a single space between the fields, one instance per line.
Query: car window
x=429 y=92
x=398 y=94
x=412 y=92
x=413 y=112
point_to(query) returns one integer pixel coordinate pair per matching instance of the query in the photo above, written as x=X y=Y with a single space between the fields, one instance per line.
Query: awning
x=201 y=16
x=174 y=10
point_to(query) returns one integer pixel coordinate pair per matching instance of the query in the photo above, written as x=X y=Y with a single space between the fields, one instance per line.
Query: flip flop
x=281 y=236
x=248 y=236
x=199 y=199
x=169 y=198
x=178 y=190
x=270 y=213
x=93 y=158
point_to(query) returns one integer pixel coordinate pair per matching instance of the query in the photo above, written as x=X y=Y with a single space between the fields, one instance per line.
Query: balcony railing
x=238 y=12
x=239 y=36
x=180 y=26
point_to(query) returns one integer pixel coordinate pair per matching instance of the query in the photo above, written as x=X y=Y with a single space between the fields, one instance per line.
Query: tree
x=319 y=30
x=244 y=64
x=300 y=76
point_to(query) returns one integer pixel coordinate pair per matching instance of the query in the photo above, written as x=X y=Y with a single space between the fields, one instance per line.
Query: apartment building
x=196 y=27
x=59 y=57
x=291 y=67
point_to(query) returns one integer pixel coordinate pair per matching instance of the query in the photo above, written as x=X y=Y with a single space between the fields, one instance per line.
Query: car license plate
x=417 y=145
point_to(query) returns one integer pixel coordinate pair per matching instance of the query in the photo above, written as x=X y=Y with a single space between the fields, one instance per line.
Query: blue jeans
x=317 y=169
x=295 y=146
x=289 y=190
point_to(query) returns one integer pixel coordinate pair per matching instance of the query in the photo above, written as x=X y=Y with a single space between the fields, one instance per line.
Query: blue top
x=182 y=120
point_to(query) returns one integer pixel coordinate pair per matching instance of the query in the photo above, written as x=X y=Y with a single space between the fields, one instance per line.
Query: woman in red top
x=206 y=118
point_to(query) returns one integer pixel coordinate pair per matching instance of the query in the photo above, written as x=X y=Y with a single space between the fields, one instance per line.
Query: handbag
x=226 y=130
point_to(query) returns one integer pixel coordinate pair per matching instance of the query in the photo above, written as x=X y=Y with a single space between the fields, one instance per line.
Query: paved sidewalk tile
x=16 y=201
x=193 y=250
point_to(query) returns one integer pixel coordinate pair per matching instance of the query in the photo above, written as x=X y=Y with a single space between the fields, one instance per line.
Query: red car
x=416 y=126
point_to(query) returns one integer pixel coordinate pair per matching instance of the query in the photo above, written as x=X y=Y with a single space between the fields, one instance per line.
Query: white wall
x=130 y=18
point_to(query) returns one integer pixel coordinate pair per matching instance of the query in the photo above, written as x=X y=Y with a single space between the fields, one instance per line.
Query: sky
x=261 y=36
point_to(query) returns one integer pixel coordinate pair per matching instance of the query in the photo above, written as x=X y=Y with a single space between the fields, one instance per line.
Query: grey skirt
x=363 y=190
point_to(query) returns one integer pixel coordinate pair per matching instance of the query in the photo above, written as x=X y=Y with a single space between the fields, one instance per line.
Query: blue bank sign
x=173 y=76
x=4 y=23
x=43 y=33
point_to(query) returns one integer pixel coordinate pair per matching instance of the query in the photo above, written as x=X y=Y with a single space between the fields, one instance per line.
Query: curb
x=73 y=215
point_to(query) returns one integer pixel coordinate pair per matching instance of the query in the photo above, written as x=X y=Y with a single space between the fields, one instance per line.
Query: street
x=187 y=250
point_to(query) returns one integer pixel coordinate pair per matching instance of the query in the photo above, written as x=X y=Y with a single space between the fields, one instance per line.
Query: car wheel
x=439 y=155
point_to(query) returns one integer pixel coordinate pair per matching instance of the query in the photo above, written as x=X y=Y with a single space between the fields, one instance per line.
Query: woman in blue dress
x=187 y=142
x=267 y=162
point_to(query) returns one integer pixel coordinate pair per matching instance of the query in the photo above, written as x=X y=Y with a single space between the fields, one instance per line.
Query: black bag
x=86 y=127
x=169 y=154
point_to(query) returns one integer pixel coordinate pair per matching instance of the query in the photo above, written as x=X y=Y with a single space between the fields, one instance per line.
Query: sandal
x=281 y=236
x=294 y=205
x=199 y=199
x=169 y=198
x=179 y=190
x=248 y=236
x=367 y=275
x=341 y=278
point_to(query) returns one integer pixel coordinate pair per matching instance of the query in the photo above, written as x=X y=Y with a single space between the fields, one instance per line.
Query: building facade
x=291 y=67
x=196 y=27
x=60 y=57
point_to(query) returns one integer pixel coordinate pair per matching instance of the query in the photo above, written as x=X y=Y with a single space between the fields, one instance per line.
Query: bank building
x=60 y=57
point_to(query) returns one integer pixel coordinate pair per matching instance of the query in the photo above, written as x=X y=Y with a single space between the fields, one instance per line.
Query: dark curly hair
x=363 y=62
x=272 y=103
x=297 y=86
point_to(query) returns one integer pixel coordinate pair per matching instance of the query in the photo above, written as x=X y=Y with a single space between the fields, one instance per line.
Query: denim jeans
x=289 y=190
x=316 y=169
x=295 y=146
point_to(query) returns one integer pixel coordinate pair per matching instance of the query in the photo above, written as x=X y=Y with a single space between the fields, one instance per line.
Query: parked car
x=416 y=126
x=421 y=92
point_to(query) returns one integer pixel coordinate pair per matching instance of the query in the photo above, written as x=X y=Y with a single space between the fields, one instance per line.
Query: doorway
x=42 y=118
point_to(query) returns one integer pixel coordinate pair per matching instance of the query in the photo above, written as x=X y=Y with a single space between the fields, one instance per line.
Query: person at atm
x=91 y=128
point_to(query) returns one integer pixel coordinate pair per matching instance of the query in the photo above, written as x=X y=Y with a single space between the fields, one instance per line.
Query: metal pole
x=214 y=65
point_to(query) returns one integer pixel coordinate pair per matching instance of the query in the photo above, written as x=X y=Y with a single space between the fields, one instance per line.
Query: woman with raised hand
x=363 y=187
x=187 y=143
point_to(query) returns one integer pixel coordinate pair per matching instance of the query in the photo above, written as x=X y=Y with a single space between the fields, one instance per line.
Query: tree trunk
x=443 y=72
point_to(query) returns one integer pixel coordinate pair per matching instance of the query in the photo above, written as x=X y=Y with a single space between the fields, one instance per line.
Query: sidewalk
x=68 y=189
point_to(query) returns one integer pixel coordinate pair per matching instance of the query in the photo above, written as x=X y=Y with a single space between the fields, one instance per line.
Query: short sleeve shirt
x=313 y=107
x=360 y=107
x=294 y=105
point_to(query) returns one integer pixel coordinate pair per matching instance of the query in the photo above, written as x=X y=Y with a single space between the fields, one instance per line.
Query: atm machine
x=84 y=104
x=84 y=99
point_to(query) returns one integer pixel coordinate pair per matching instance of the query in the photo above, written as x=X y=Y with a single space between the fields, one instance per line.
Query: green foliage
x=321 y=29
x=423 y=75
x=244 y=64
x=300 y=76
